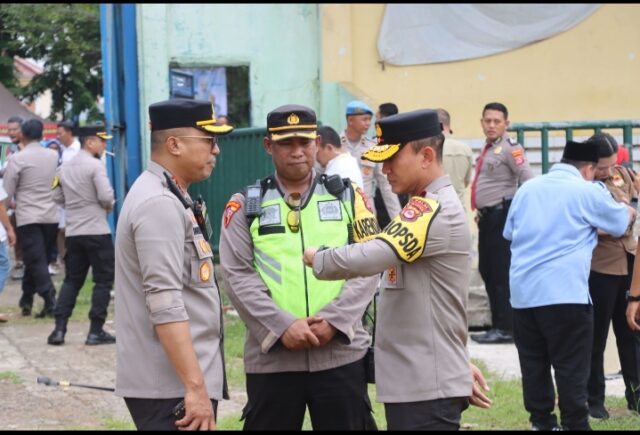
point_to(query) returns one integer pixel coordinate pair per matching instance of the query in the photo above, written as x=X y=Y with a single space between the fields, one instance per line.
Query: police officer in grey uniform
x=305 y=342
x=423 y=375
x=29 y=176
x=500 y=169
x=83 y=190
x=354 y=139
x=168 y=313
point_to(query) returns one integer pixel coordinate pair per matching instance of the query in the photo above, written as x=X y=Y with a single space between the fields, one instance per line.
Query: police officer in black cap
x=82 y=187
x=168 y=308
x=305 y=342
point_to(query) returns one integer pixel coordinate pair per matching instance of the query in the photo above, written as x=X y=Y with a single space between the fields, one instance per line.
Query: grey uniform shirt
x=29 y=176
x=457 y=160
x=372 y=175
x=86 y=194
x=421 y=329
x=266 y=322
x=504 y=166
x=162 y=275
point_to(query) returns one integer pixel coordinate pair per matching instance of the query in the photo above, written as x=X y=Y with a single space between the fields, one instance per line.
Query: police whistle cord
x=50 y=382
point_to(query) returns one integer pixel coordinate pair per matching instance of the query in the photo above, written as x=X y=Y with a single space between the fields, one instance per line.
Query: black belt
x=496 y=207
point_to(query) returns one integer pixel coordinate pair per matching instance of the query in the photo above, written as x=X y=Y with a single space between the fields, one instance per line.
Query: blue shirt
x=552 y=226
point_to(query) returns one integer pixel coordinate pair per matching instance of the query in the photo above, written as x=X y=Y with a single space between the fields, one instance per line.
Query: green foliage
x=66 y=37
x=12 y=377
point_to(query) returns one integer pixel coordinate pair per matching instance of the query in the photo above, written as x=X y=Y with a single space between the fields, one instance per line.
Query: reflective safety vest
x=278 y=248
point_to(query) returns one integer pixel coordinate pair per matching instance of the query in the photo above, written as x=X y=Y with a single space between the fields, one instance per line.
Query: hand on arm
x=175 y=338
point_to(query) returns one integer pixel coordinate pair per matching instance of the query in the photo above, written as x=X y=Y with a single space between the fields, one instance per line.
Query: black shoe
x=599 y=412
x=46 y=312
x=482 y=336
x=495 y=336
x=101 y=337
x=26 y=311
x=56 y=338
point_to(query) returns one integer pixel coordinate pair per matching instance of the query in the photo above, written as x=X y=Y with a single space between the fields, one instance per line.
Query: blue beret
x=357 y=107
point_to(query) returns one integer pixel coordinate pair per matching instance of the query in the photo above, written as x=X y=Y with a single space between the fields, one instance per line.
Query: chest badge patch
x=617 y=180
x=270 y=215
x=498 y=150
x=329 y=210
x=205 y=271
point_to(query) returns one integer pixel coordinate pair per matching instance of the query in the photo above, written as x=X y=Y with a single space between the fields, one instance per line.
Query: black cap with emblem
x=393 y=132
x=581 y=152
x=94 y=130
x=180 y=113
x=291 y=120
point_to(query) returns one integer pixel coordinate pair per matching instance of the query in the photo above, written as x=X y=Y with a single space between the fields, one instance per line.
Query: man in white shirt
x=335 y=159
x=70 y=147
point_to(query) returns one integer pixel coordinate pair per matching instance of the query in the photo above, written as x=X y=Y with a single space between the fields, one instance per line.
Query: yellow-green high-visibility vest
x=278 y=250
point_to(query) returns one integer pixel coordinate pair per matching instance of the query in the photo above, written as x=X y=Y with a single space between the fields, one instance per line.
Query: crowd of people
x=344 y=221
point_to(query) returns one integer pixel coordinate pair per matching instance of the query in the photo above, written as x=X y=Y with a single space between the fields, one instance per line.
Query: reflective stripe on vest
x=278 y=251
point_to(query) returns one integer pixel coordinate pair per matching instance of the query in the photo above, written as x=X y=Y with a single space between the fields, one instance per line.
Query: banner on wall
x=201 y=83
x=415 y=34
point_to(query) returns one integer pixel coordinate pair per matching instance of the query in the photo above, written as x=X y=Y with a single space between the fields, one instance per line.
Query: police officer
x=29 y=176
x=355 y=140
x=168 y=309
x=305 y=342
x=501 y=167
x=609 y=280
x=83 y=189
x=423 y=375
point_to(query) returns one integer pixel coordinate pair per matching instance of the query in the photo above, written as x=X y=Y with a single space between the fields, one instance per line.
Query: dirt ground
x=25 y=355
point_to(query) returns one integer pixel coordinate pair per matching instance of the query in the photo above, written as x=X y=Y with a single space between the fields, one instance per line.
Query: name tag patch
x=330 y=210
x=202 y=247
x=270 y=215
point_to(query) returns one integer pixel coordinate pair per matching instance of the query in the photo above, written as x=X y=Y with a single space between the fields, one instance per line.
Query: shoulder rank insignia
x=56 y=182
x=407 y=233
x=231 y=209
x=518 y=156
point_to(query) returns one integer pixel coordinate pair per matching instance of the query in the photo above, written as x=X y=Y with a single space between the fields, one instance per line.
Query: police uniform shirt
x=421 y=331
x=372 y=175
x=83 y=189
x=164 y=273
x=457 y=159
x=610 y=255
x=504 y=166
x=266 y=322
x=29 y=176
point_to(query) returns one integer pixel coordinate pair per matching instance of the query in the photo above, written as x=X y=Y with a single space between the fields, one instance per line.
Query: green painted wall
x=280 y=43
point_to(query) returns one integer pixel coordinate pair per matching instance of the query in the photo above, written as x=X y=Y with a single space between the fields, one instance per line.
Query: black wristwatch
x=631 y=298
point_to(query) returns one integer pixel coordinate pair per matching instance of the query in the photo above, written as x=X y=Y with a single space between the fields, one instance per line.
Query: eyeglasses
x=293 y=217
x=213 y=140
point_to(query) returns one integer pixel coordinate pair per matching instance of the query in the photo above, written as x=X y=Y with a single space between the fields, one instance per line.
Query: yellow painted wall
x=590 y=72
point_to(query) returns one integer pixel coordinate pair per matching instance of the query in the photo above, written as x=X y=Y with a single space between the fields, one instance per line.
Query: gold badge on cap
x=293 y=119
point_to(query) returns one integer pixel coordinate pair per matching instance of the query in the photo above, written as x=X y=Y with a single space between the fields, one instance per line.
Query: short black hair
x=578 y=164
x=497 y=106
x=15 y=119
x=329 y=136
x=32 y=129
x=607 y=145
x=388 y=109
x=67 y=125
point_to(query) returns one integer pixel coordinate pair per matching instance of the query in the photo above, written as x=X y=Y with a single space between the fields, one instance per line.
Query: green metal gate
x=568 y=127
x=242 y=160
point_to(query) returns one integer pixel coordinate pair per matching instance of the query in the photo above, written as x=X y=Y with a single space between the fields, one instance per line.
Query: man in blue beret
x=168 y=310
x=421 y=360
x=354 y=139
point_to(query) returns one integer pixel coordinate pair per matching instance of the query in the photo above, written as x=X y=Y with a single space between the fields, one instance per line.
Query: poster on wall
x=201 y=83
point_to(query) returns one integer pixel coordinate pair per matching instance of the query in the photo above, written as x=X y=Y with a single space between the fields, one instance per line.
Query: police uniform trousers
x=36 y=240
x=494 y=259
x=560 y=336
x=439 y=414
x=609 y=306
x=81 y=252
x=157 y=414
x=337 y=400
